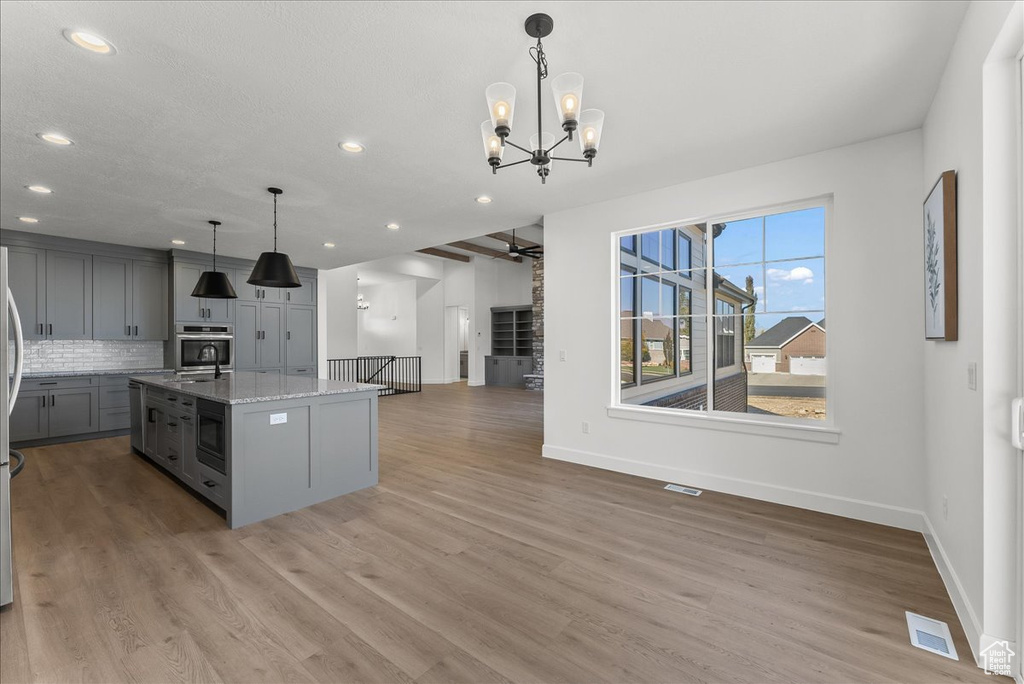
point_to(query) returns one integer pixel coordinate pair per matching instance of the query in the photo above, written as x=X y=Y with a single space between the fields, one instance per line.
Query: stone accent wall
x=535 y=381
x=730 y=395
x=81 y=355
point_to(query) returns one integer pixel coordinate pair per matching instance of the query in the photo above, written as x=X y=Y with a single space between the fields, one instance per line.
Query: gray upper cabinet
x=74 y=411
x=27 y=281
x=259 y=293
x=149 y=300
x=129 y=299
x=30 y=416
x=189 y=309
x=302 y=295
x=301 y=337
x=68 y=295
x=111 y=298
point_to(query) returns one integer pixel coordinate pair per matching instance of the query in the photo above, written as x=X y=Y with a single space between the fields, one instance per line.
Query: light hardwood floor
x=474 y=560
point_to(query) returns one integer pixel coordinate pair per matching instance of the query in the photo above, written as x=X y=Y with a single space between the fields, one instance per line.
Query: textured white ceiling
x=208 y=103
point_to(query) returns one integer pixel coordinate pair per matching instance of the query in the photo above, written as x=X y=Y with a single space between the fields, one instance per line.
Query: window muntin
x=766 y=269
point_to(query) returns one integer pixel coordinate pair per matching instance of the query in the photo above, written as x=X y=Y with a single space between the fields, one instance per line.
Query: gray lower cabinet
x=27 y=280
x=30 y=417
x=115 y=403
x=189 y=309
x=74 y=411
x=507 y=371
x=189 y=463
x=301 y=337
x=68 y=295
x=302 y=370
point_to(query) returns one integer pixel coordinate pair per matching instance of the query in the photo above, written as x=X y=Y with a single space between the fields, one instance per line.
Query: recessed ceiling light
x=352 y=147
x=42 y=189
x=90 y=42
x=483 y=199
x=177 y=242
x=55 y=138
x=329 y=245
x=393 y=226
x=28 y=219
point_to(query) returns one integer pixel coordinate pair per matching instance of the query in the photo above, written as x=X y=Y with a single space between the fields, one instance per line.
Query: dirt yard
x=793 y=407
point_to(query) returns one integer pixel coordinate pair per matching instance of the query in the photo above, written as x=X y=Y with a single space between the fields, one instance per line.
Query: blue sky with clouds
x=785 y=255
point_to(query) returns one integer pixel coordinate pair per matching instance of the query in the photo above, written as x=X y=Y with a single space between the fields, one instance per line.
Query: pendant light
x=214 y=284
x=274 y=269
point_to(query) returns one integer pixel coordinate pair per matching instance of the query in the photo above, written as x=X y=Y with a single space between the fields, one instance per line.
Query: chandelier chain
x=538 y=56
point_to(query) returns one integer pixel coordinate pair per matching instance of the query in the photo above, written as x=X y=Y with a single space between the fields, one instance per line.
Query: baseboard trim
x=964 y=609
x=868 y=511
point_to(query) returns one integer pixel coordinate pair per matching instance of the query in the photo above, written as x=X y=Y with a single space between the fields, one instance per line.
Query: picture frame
x=940 y=283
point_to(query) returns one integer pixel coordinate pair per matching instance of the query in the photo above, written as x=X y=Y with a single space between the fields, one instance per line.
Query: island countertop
x=241 y=387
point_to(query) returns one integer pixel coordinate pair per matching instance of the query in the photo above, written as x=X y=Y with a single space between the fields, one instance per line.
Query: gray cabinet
x=507 y=371
x=30 y=417
x=115 y=403
x=154 y=419
x=260 y=335
x=272 y=335
x=68 y=295
x=259 y=293
x=129 y=299
x=302 y=295
x=111 y=298
x=27 y=280
x=247 y=335
x=301 y=336
x=74 y=411
x=189 y=309
x=149 y=300
x=189 y=462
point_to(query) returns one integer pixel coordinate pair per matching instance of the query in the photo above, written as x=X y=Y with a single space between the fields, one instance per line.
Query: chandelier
x=568 y=93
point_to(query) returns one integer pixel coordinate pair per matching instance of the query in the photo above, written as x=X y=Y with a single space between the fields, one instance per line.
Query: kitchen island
x=258 y=445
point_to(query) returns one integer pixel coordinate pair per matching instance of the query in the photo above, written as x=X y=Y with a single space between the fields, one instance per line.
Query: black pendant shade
x=214 y=284
x=274 y=269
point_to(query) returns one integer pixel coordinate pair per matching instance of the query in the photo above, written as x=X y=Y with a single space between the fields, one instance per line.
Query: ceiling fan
x=514 y=250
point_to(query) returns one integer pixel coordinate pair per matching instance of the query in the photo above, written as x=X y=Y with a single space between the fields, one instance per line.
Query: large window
x=727 y=315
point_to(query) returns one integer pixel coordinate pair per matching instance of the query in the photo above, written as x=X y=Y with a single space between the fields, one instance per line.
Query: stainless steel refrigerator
x=10 y=371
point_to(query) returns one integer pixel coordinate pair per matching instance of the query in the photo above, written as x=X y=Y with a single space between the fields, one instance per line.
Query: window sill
x=824 y=434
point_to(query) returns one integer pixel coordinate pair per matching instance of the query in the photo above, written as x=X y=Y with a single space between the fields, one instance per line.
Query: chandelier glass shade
x=567 y=92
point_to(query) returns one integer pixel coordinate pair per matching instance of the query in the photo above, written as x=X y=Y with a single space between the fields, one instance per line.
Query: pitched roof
x=650 y=329
x=781 y=332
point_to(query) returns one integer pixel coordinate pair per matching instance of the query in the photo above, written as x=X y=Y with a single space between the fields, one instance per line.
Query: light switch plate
x=278 y=418
x=972 y=376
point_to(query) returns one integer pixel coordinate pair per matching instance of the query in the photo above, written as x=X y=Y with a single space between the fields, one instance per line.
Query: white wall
x=876 y=471
x=337 y=290
x=388 y=327
x=966 y=432
x=430 y=329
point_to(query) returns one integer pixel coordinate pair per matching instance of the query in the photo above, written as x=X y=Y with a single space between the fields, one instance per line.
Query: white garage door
x=807 y=365
x=762 y=363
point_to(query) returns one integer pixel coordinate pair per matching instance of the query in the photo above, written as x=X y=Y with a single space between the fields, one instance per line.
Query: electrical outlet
x=945 y=507
x=278 y=418
x=561 y=355
x=586 y=428
x=972 y=376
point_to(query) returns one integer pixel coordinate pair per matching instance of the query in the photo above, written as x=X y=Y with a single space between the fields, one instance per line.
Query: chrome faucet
x=216 y=359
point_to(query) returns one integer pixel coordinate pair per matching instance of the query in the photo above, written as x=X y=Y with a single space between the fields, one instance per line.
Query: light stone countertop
x=241 y=387
x=85 y=373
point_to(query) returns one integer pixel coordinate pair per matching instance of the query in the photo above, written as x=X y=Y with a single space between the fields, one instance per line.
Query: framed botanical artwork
x=940 y=260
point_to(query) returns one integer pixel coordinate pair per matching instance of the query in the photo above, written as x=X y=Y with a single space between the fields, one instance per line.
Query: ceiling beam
x=486 y=251
x=444 y=254
x=507 y=238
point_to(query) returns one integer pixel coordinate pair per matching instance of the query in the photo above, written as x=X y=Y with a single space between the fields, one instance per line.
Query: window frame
x=825 y=431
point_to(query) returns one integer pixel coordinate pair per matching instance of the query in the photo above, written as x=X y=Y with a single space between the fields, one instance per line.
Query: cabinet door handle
x=53 y=400
x=172 y=425
x=47 y=383
x=51 y=329
x=257 y=334
x=127 y=330
x=172 y=457
x=136 y=331
x=186 y=418
x=209 y=483
x=40 y=328
x=289 y=335
x=288 y=296
x=42 y=400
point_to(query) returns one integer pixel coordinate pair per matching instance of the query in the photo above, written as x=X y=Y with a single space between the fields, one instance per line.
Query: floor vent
x=683 y=490
x=931 y=635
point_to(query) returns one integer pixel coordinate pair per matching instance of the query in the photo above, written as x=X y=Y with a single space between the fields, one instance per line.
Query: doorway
x=456 y=343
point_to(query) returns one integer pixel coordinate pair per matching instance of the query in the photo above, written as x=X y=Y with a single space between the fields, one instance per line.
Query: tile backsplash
x=79 y=355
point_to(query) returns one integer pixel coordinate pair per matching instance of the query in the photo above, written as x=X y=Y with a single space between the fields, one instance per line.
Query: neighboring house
x=794 y=345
